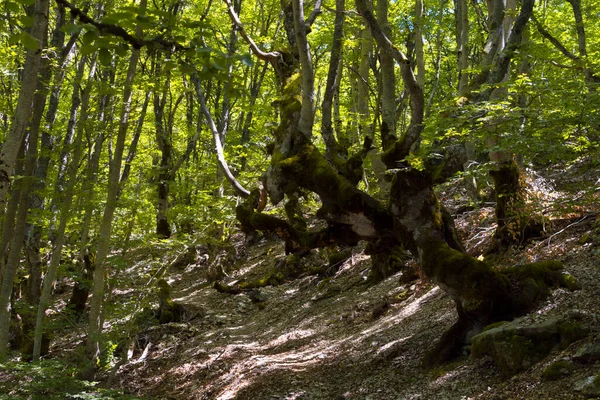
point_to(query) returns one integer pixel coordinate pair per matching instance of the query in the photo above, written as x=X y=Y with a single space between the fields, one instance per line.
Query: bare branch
x=554 y=41
x=315 y=13
x=271 y=56
x=240 y=190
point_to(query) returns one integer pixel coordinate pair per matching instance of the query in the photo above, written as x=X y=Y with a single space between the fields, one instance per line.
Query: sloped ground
x=341 y=339
x=337 y=338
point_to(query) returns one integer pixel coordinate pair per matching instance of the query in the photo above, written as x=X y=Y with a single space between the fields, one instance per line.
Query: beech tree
x=365 y=107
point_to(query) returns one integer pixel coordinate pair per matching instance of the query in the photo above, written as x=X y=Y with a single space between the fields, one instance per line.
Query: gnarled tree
x=412 y=216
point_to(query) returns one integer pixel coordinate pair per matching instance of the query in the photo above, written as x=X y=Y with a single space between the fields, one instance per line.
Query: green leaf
x=122 y=50
x=204 y=50
x=89 y=37
x=14 y=39
x=105 y=56
x=71 y=29
x=27 y=2
x=88 y=49
x=247 y=60
x=13 y=7
x=103 y=42
x=169 y=65
x=26 y=21
x=29 y=42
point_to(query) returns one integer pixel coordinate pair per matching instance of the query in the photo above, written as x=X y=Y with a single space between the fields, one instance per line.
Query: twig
x=570 y=226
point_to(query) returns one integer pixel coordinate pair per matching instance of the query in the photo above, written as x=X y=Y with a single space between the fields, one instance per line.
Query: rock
x=256 y=296
x=588 y=353
x=557 y=370
x=517 y=345
x=589 y=386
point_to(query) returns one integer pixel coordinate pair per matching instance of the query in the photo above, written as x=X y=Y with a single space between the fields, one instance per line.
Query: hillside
x=334 y=337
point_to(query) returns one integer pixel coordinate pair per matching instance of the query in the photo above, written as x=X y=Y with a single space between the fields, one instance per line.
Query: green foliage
x=51 y=380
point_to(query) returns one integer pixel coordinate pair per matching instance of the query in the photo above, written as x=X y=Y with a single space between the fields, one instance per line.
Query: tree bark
x=95 y=322
x=10 y=147
x=65 y=214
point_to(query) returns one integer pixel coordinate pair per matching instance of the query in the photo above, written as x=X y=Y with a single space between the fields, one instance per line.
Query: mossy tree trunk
x=412 y=218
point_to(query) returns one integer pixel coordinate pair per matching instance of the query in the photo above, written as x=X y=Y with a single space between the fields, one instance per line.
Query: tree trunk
x=65 y=214
x=461 y=13
x=18 y=234
x=10 y=147
x=95 y=322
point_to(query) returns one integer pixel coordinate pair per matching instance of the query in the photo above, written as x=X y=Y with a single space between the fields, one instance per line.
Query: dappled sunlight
x=243 y=361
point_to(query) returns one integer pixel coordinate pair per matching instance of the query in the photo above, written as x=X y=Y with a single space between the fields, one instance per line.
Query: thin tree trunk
x=95 y=323
x=462 y=43
x=14 y=255
x=333 y=148
x=10 y=147
x=65 y=214
x=419 y=53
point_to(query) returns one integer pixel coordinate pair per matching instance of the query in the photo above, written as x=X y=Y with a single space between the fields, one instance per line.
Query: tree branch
x=270 y=57
x=411 y=138
x=315 y=13
x=118 y=31
x=240 y=190
x=554 y=41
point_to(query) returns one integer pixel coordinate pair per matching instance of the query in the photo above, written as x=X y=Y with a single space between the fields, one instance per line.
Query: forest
x=258 y=199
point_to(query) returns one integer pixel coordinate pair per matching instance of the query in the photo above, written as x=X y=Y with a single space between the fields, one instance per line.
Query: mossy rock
x=558 y=370
x=517 y=345
x=589 y=386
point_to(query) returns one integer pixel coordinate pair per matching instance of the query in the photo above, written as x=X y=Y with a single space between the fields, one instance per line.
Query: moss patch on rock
x=517 y=345
x=557 y=370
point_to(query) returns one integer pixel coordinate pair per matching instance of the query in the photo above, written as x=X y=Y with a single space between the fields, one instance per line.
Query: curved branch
x=553 y=40
x=411 y=138
x=271 y=56
x=315 y=13
x=332 y=84
x=240 y=190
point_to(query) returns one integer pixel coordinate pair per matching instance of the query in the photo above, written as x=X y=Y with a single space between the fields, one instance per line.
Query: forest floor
x=339 y=337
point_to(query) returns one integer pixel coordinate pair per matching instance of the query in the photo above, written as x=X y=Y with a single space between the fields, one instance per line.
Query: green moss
x=570 y=282
x=571 y=331
x=557 y=370
x=494 y=325
x=273 y=279
x=167 y=308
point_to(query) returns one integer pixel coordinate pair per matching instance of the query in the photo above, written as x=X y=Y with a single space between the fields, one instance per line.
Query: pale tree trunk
x=32 y=294
x=10 y=147
x=65 y=213
x=95 y=322
x=307 y=111
x=239 y=189
x=419 y=53
x=438 y=60
x=36 y=202
x=8 y=223
x=85 y=261
x=461 y=12
x=388 y=82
